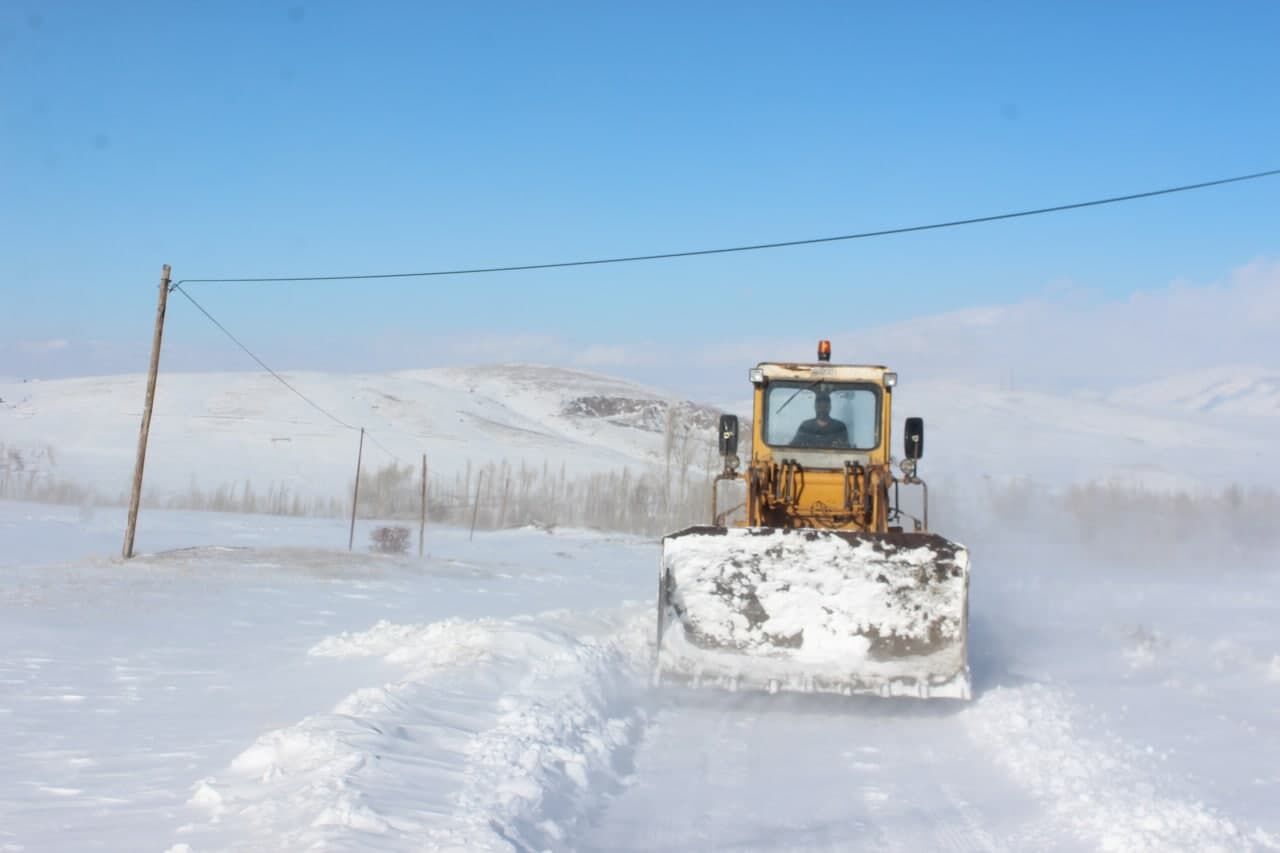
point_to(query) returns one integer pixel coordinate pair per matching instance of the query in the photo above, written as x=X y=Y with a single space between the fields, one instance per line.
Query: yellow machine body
x=827 y=584
x=834 y=489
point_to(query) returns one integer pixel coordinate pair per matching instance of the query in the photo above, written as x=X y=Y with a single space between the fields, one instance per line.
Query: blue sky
x=265 y=138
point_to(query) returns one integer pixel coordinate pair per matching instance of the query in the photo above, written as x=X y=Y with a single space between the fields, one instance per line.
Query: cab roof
x=823 y=370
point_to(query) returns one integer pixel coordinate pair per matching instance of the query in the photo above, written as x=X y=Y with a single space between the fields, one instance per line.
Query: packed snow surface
x=259 y=687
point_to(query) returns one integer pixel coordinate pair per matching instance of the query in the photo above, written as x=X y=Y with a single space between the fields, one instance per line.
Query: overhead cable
x=321 y=409
x=954 y=223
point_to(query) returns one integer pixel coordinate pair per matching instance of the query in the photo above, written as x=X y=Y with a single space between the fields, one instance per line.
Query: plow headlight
x=756 y=375
x=890 y=379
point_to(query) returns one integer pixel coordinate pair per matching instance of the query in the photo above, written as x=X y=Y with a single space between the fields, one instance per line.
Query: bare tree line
x=502 y=494
x=496 y=494
x=1120 y=521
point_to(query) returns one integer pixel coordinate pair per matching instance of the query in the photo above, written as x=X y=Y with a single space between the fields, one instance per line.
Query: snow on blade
x=812 y=609
x=500 y=735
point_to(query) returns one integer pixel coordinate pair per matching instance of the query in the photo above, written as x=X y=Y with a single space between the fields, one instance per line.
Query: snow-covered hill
x=1060 y=439
x=214 y=428
x=228 y=428
x=1229 y=391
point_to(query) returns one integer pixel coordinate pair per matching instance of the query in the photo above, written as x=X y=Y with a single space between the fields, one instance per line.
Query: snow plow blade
x=815 y=611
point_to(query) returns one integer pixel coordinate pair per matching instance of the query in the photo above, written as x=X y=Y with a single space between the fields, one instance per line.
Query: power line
x=954 y=223
x=369 y=436
x=312 y=403
x=278 y=377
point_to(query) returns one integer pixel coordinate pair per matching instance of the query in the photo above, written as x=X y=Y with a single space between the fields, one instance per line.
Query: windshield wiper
x=808 y=387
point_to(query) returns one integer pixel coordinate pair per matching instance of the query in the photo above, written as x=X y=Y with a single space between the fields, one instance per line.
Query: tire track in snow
x=502 y=735
x=1097 y=791
x=722 y=771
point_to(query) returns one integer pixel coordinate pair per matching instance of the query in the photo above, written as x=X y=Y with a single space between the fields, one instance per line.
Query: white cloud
x=40 y=347
x=1064 y=338
x=604 y=355
x=517 y=346
x=396 y=349
x=1067 y=336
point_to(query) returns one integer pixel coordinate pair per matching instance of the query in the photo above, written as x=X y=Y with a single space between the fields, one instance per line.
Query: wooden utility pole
x=475 y=513
x=502 y=510
x=135 y=499
x=355 y=498
x=422 y=527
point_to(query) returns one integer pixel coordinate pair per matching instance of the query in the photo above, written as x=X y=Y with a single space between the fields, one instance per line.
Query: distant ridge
x=1247 y=391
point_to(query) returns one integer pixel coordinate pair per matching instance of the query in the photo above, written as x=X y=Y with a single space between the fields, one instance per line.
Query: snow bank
x=498 y=735
x=451 y=642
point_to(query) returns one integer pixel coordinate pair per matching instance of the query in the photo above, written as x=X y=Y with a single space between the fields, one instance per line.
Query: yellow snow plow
x=829 y=584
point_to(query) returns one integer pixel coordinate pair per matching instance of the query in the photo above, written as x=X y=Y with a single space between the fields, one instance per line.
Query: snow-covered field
x=247 y=684
x=260 y=688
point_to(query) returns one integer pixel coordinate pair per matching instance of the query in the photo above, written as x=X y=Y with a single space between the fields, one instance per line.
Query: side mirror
x=913 y=438
x=728 y=435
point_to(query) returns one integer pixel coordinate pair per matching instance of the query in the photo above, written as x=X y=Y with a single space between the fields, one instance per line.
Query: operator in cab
x=821 y=430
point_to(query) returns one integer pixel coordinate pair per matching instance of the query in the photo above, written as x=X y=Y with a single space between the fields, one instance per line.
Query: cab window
x=822 y=416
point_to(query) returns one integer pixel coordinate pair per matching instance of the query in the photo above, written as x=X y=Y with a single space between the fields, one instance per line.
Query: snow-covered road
x=495 y=696
x=795 y=772
x=1014 y=770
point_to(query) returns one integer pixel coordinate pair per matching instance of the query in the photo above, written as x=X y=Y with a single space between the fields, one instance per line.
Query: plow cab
x=828 y=584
